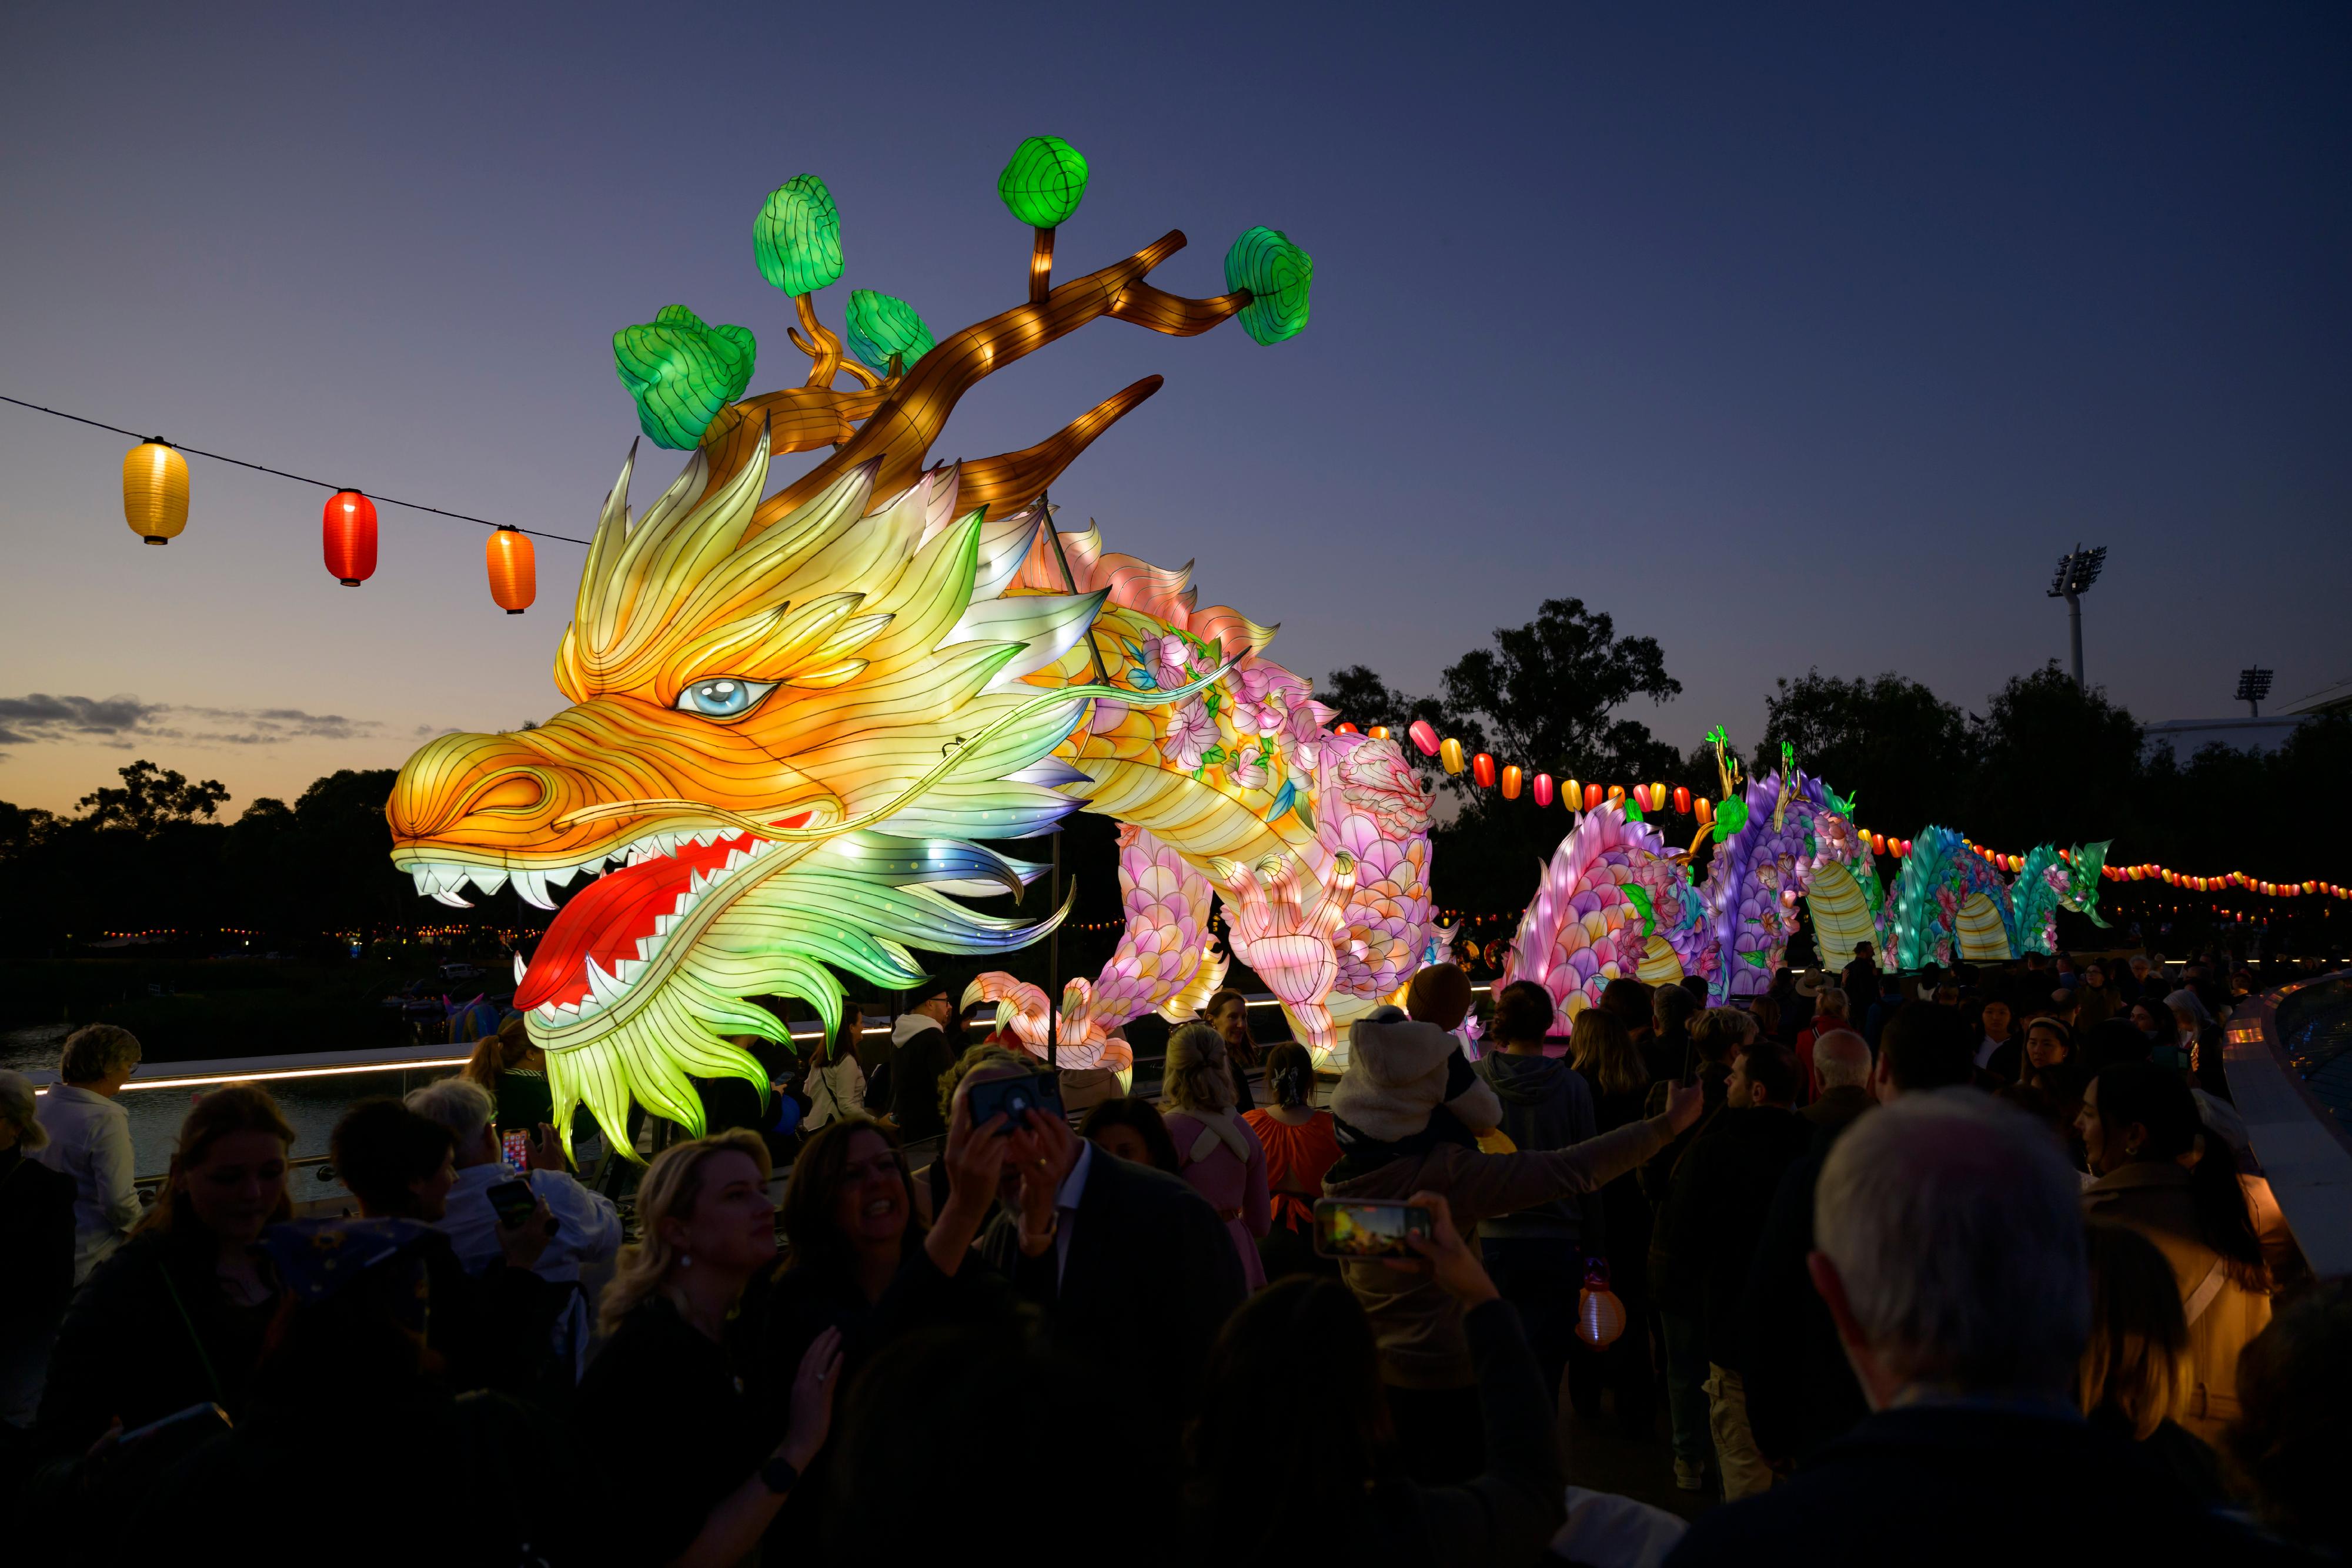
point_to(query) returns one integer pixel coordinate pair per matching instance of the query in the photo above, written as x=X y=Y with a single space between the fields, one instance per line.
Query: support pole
x=2074 y=632
x=1054 y=970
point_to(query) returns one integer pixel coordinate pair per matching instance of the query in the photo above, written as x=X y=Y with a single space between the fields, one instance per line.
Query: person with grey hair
x=587 y=1228
x=1842 y=1068
x=90 y=1139
x=37 y=1237
x=1951 y=1256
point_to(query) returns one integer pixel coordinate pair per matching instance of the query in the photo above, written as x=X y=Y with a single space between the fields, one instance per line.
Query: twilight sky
x=1791 y=337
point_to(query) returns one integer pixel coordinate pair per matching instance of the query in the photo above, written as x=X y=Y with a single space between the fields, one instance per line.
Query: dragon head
x=781 y=743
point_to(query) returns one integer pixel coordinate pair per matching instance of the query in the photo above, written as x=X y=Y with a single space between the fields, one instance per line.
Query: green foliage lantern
x=1278 y=275
x=1044 y=182
x=797 y=236
x=880 y=326
x=682 y=372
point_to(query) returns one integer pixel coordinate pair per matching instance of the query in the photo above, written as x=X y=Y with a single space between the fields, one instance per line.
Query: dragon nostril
x=515 y=792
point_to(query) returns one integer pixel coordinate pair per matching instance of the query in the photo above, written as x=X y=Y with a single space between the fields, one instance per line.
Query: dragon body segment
x=1595 y=911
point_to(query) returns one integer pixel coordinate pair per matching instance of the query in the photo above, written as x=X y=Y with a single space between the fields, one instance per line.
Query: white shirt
x=89 y=1140
x=1985 y=1051
x=1065 y=1208
x=588 y=1234
x=836 y=1090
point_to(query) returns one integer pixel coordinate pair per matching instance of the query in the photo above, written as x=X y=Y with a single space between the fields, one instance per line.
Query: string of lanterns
x=1513 y=780
x=155 y=498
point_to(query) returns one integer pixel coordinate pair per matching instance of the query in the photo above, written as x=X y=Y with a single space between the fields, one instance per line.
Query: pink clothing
x=1235 y=1190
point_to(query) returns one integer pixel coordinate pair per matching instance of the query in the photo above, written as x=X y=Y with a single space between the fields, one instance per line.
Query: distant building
x=2187 y=736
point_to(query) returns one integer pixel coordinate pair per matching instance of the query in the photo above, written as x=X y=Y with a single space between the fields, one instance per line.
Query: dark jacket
x=1658 y=1171
x=1149 y=1264
x=1625 y=1211
x=1504 y=1516
x=1545 y=1106
x=1666 y=1054
x=664 y=1404
x=37 y=1237
x=914 y=1068
x=1801 y=1392
x=1714 y=1210
x=1938 y=1484
x=149 y=1333
x=1838 y=1106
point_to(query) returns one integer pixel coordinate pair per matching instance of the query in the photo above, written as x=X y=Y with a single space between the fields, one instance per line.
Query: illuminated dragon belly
x=1842 y=915
x=1983 y=936
x=1660 y=964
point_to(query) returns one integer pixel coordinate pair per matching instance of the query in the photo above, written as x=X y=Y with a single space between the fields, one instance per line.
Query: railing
x=2304 y=1148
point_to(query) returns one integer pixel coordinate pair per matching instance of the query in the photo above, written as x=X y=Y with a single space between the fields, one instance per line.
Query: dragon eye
x=725 y=697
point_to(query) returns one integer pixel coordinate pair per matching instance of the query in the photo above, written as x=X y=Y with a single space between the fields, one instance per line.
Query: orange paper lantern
x=1379 y=732
x=514 y=574
x=1511 y=780
x=347 y=533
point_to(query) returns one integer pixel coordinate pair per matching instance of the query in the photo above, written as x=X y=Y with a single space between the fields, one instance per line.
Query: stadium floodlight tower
x=2254 y=686
x=2076 y=571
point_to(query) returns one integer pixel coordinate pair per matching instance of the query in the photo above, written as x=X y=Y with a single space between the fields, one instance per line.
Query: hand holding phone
x=1012 y=1097
x=1369 y=1229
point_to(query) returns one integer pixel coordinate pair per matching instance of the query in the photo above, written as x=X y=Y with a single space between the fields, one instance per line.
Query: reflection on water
x=2316 y=1023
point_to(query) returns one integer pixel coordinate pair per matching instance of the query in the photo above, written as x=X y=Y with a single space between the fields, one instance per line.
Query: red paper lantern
x=1593 y=795
x=1543 y=789
x=1511 y=778
x=514 y=574
x=1350 y=729
x=1682 y=800
x=348 y=533
x=1424 y=737
x=1377 y=732
x=1878 y=843
x=1482 y=770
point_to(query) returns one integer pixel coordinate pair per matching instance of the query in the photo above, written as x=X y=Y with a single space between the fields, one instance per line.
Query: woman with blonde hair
x=515 y=1072
x=1216 y=1150
x=667 y=1390
x=179 y=1315
x=2135 y=1375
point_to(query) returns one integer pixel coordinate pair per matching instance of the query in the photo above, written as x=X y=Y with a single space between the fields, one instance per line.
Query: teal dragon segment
x=2049 y=881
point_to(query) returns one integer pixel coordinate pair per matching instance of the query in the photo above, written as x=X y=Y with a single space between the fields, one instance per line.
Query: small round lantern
x=514 y=575
x=348 y=535
x=1377 y=732
x=1599 y=1315
x=1422 y=736
x=1682 y=801
x=1544 y=790
x=155 y=492
x=1704 y=810
x=1449 y=755
x=1593 y=795
x=1482 y=772
x=1350 y=729
x=1512 y=781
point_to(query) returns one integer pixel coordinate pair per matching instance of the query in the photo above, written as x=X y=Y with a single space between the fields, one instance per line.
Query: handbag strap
x=2207 y=1289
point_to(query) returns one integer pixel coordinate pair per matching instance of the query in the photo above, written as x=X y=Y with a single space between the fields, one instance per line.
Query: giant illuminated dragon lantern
x=800 y=719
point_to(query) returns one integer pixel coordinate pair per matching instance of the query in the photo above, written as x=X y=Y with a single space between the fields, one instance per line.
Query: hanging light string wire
x=280 y=473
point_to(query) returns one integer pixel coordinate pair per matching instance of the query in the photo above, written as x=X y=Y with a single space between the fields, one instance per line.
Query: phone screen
x=1039 y=1092
x=515 y=1142
x=1369 y=1229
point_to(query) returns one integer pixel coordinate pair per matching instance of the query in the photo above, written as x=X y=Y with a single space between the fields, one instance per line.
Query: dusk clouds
x=39 y=718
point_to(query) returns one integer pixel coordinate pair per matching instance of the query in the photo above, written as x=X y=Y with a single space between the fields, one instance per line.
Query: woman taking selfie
x=178 y=1315
x=664 y=1397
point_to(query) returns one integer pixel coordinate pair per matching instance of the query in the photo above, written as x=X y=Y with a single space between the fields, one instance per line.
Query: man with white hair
x=1842 y=1068
x=587 y=1228
x=1952 y=1257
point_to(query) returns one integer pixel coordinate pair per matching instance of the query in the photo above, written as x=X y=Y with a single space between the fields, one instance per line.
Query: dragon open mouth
x=602 y=939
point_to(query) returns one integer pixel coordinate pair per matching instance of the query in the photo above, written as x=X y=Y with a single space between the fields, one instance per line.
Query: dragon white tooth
x=531 y=888
x=707 y=837
x=685 y=903
x=699 y=883
x=488 y=880
x=648 y=946
x=662 y=923
x=602 y=989
x=452 y=900
x=546 y=1013
x=421 y=875
x=522 y=969
x=736 y=860
x=568 y=1010
x=627 y=970
x=562 y=875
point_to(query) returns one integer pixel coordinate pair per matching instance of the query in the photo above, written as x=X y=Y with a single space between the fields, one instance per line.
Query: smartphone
x=1370 y=1229
x=512 y=1202
x=515 y=1144
x=1038 y=1091
x=195 y=1424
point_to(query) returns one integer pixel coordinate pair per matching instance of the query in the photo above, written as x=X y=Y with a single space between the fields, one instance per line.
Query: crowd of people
x=1937 y=1267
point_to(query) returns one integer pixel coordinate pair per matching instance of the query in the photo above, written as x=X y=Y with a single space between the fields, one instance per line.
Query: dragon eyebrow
x=907 y=796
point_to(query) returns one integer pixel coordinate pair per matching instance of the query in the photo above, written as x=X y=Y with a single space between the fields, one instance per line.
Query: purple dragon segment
x=1591 y=917
x=1767 y=851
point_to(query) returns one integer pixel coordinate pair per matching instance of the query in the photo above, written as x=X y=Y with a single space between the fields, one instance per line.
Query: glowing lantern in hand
x=514 y=574
x=154 y=492
x=1543 y=789
x=1512 y=777
x=348 y=536
x=1599 y=1315
x=1422 y=736
x=1482 y=770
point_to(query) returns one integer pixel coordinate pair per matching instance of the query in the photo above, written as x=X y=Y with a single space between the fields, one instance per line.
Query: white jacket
x=1396 y=1075
x=89 y=1140
x=836 y=1091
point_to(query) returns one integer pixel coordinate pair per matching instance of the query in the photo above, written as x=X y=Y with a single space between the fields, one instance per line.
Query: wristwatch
x=779 y=1474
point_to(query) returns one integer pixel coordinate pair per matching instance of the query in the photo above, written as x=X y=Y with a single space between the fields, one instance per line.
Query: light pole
x=2078 y=570
x=2254 y=686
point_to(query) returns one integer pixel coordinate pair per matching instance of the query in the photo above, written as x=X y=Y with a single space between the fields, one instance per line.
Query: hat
x=1814 y=982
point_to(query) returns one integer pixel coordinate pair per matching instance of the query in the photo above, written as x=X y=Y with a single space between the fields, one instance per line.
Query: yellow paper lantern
x=154 y=492
x=1449 y=755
